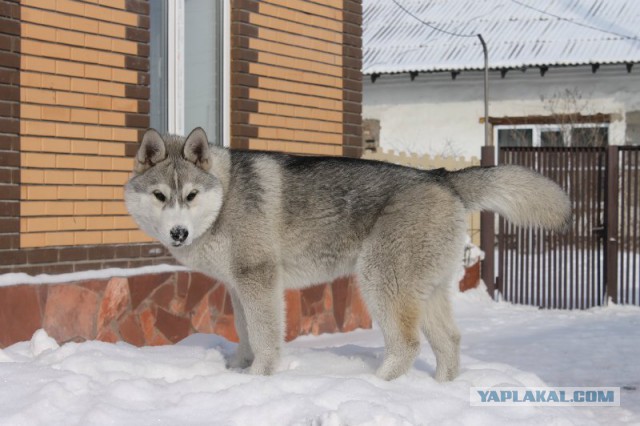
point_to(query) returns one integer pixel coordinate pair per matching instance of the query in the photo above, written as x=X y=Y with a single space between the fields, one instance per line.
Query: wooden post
x=488 y=231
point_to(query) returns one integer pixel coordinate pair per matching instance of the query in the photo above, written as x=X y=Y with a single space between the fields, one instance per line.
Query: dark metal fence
x=598 y=258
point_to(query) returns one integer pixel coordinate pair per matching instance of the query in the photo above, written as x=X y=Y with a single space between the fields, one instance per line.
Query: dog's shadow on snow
x=352 y=357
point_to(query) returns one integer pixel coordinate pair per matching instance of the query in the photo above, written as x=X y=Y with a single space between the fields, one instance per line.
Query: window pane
x=515 y=137
x=158 y=65
x=551 y=138
x=590 y=136
x=203 y=70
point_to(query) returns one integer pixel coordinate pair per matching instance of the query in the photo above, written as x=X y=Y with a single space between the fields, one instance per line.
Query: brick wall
x=83 y=96
x=296 y=82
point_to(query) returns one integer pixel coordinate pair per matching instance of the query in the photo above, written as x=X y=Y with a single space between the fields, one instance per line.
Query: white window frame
x=539 y=128
x=175 y=74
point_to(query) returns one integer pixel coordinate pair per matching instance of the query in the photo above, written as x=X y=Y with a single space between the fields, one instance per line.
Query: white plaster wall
x=439 y=116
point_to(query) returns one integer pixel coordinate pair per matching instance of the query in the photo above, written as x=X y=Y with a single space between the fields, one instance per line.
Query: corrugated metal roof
x=517 y=36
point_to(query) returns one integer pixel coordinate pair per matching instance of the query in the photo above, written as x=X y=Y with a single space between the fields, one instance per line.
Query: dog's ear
x=151 y=151
x=196 y=149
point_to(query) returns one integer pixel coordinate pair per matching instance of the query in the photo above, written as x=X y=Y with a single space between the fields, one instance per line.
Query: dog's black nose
x=179 y=234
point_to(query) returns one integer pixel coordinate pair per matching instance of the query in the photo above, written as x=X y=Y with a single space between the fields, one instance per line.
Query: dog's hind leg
x=398 y=316
x=439 y=327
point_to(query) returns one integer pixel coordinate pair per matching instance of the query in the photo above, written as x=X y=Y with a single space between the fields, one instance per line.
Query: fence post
x=611 y=224
x=487 y=231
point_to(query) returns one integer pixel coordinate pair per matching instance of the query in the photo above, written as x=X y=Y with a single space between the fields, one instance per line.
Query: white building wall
x=439 y=116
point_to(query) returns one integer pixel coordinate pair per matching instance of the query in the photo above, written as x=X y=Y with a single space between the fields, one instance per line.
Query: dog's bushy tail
x=524 y=197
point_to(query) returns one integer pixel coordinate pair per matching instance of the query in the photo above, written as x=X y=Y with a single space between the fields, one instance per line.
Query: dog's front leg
x=262 y=299
x=244 y=355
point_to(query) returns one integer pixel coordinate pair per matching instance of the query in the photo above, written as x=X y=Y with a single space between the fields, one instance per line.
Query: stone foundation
x=159 y=309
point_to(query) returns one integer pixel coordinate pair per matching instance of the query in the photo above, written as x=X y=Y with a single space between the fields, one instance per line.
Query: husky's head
x=172 y=195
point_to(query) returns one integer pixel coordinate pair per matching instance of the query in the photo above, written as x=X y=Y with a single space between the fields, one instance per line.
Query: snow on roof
x=519 y=34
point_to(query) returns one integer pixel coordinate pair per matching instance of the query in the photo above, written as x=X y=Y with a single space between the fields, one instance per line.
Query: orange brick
x=42 y=128
x=31 y=176
x=125 y=46
x=55 y=114
x=38 y=160
x=82 y=24
x=70 y=68
x=40 y=224
x=37 y=96
x=98 y=42
x=127 y=105
x=32 y=208
x=139 y=237
x=114 y=178
x=115 y=237
x=98 y=102
x=97 y=12
x=58 y=176
x=87 y=208
x=84 y=85
x=99 y=132
x=70 y=162
x=38 y=64
x=114 y=207
x=116 y=4
x=111 y=59
x=124 y=134
x=99 y=193
x=69 y=37
x=38 y=192
x=72 y=223
x=125 y=76
x=112 y=149
x=75 y=192
x=87 y=238
x=70 y=7
x=30 y=143
x=87 y=177
x=84 y=55
x=98 y=163
x=112 y=30
x=70 y=130
x=118 y=191
x=30 y=111
x=37 y=32
x=53 y=208
x=58 y=238
x=39 y=48
x=56 y=82
x=56 y=145
x=113 y=89
x=100 y=222
x=98 y=72
x=122 y=164
x=70 y=99
x=84 y=147
x=32 y=240
x=84 y=116
x=30 y=79
x=111 y=118
x=124 y=222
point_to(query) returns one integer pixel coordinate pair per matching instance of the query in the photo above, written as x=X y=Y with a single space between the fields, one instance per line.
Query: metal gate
x=597 y=259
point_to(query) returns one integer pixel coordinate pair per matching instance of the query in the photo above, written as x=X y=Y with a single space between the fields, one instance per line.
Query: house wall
x=439 y=116
x=296 y=81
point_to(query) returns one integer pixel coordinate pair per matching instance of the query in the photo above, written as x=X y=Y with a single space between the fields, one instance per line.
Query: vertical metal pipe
x=487 y=137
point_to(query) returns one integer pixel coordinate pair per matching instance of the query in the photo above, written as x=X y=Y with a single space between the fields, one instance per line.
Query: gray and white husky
x=264 y=222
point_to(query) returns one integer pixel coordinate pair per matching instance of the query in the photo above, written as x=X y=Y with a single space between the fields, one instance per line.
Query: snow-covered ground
x=329 y=380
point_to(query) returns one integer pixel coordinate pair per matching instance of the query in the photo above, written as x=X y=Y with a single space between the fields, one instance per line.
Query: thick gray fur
x=265 y=222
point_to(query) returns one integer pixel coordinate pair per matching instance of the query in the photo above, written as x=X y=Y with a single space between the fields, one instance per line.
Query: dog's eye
x=160 y=196
x=192 y=195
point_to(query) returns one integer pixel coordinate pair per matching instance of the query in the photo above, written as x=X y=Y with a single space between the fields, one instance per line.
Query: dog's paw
x=239 y=361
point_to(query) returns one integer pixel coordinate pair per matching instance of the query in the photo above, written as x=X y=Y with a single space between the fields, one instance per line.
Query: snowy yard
x=328 y=380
